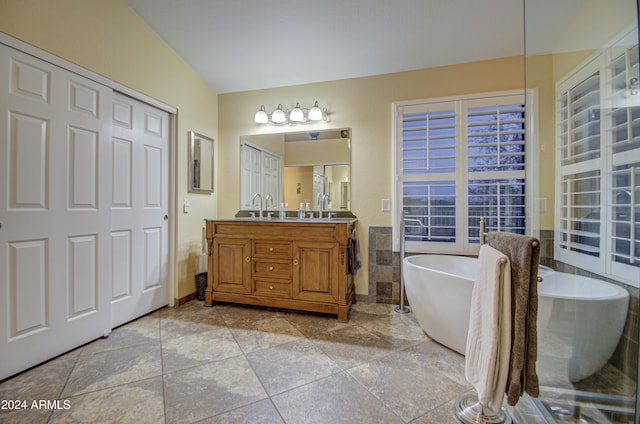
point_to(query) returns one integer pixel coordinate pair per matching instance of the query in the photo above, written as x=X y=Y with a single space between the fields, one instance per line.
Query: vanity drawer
x=272 y=249
x=271 y=268
x=265 y=287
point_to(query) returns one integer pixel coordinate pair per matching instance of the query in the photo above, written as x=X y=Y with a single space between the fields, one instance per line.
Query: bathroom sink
x=295 y=219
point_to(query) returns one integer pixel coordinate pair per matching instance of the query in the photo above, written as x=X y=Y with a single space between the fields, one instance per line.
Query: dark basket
x=201 y=285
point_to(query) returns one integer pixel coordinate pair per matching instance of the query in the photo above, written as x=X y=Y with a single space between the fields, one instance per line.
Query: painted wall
x=108 y=38
x=294 y=177
x=364 y=105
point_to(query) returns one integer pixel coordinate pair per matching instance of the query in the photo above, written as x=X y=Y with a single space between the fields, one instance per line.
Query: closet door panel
x=139 y=209
x=54 y=209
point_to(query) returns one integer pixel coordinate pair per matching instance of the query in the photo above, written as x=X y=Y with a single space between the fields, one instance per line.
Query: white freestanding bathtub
x=580 y=319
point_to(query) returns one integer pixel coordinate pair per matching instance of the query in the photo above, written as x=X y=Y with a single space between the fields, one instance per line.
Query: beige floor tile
x=198 y=349
x=406 y=383
x=141 y=331
x=210 y=390
x=286 y=366
x=138 y=402
x=114 y=367
x=262 y=412
x=266 y=332
x=335 y=399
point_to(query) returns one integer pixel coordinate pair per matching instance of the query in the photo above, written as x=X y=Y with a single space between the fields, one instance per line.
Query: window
x=458 y=159
x=598 y=157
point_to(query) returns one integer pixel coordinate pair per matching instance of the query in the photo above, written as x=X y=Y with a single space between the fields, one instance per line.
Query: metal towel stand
x=402 y=309
x=468 y=409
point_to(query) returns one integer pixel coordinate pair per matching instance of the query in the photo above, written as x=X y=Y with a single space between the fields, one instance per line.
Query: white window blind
x=457 y=160
x=598 y=155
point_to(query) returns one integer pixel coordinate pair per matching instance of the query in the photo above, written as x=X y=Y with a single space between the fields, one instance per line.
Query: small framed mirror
x=201 y=155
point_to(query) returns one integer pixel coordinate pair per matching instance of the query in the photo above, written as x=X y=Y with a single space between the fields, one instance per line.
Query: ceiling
x=239 y=45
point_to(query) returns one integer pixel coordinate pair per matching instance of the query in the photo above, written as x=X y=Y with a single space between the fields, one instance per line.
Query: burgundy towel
x=354 y=256
x=524 y=254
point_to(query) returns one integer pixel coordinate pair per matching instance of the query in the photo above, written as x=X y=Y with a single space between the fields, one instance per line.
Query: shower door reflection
x=582 y=58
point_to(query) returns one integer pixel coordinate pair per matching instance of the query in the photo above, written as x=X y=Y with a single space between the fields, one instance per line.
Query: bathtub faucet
x=415 y=221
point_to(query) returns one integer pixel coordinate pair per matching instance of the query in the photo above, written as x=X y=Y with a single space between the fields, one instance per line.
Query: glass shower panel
x=582 y=62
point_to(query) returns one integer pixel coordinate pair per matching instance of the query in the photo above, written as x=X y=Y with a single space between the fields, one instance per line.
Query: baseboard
x=183 y=300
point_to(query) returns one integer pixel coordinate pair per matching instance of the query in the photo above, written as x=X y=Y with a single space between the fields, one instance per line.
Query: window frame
x=461 y=104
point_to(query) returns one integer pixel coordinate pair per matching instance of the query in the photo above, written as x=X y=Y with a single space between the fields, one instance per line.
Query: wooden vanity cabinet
x=293 y=265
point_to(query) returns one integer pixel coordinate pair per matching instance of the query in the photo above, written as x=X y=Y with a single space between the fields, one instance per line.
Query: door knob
x=166 y=217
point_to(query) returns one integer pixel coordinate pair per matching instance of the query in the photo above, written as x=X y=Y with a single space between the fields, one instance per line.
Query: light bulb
x=278 y=116
x=296 y=114
x=261 y=116
x=315 y=113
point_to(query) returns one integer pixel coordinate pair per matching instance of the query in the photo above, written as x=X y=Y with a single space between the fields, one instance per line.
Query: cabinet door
x=315 y=271
x=232 y=266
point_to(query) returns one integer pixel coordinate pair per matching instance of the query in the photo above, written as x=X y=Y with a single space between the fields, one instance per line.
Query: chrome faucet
x=323 y=198
x=268 y=205
x=319 y=203
x=268 y=202
x=253 y=200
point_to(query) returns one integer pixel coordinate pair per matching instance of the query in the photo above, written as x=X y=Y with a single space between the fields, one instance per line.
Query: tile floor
x=234 y=364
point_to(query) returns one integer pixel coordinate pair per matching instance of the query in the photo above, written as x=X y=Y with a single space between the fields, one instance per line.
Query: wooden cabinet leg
x=343 y=313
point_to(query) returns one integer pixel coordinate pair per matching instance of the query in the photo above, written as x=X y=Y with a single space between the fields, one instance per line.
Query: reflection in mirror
x=200 y=163
x=294 y=168
x=316 y=181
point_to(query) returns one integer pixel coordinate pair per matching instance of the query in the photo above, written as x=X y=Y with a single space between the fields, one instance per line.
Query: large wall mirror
x=299 y=167
x=200 y=163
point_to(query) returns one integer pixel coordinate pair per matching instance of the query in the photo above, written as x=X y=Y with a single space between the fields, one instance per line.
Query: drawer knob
x=270 y=287
x=270 y=268
x=247 y=259
x=271 y=249
x=295 y=262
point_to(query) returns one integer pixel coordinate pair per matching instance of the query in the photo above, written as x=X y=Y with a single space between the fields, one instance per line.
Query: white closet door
x=251 y=176
x=271 y=178
x=55 y=250
x=139 y=209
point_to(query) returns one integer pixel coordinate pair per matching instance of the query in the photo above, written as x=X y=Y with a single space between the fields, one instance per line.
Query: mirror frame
x=193 y=187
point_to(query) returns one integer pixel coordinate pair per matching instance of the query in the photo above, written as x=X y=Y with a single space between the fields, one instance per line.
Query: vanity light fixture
x=298 y=115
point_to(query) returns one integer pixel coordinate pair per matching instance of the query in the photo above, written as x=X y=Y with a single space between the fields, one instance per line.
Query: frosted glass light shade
x=261 y=116
x=296 y=115
x=278 y=116
x=315 y=113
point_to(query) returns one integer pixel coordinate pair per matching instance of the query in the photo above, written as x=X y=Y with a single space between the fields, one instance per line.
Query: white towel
x=489 y=338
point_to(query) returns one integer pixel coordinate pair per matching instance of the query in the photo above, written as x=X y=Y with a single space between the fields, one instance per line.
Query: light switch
x=386 y=205
x=186 y=205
